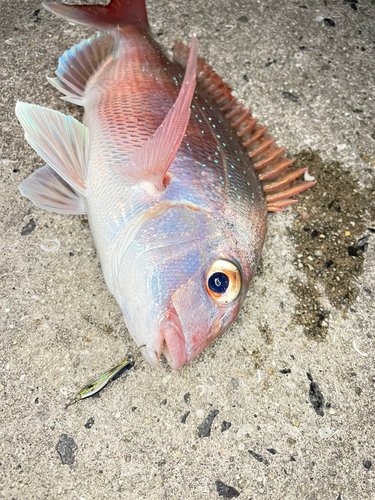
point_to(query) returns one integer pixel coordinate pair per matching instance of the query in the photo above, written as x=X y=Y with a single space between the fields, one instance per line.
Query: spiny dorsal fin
x=267 y=158
x=77 y=65
x=152 y=161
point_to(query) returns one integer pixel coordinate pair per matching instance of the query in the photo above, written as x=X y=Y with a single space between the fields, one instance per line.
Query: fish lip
x=173 y=346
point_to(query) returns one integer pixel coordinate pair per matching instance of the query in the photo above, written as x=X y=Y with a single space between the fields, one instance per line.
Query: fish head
x=182 y=281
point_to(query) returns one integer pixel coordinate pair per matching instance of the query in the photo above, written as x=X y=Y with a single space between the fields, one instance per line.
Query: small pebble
x=329 y=22
x=234 y=382
x=204 y=429
x=184 y=417
x=285 y=371
x=258 y=457
x=226 y=491
x=225 y=426
x=29 y=228
x=89 y=423
x=66 y=447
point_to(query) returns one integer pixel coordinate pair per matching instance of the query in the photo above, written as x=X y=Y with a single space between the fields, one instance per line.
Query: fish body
x=176 y=208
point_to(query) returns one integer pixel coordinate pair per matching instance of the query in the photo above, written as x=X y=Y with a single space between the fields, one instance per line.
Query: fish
x=174 y=175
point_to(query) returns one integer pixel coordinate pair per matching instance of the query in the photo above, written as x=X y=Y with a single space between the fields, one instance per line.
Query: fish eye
x=223 y=283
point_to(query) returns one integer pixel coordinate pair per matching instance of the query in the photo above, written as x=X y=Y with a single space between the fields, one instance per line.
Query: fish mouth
x=173 y=346
x=170 y=342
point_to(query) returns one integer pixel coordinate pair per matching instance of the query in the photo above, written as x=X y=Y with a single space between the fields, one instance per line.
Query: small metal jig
x=98 y=383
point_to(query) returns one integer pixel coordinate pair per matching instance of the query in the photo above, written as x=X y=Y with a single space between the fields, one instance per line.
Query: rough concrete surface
x=279 y=407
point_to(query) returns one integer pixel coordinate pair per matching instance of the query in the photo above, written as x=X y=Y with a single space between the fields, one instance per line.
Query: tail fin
x=116 y=13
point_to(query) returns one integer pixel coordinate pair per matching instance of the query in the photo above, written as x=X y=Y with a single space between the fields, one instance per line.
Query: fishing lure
x=96 y=384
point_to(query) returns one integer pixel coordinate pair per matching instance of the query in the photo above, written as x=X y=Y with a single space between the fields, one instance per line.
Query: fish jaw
x=174 y=345
x=167 y=339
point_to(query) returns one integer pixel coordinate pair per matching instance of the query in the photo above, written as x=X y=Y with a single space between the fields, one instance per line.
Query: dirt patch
x=331 y=233
x=106 y=328
x=309 y=312
x=266 y=332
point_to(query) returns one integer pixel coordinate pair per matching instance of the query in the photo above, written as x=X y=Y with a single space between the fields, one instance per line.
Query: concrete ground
x=289 y=388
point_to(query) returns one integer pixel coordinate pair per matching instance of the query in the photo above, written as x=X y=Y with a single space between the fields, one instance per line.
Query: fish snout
x=170 y=342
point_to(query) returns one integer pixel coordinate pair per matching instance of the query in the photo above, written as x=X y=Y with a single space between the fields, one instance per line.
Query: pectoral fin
x=152 y=161
x=47 y=190
x=60 y=140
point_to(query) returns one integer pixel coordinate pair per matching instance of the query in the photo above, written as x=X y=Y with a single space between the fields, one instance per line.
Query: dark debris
x=316 y=398
x=329 y=22
x=89 y=423
x=290 y=96
x=66 y=447
x=204 y=429
x=258 y=457
x=184 y=417
x=226 y=491
x=225 y=426
x=29 y=228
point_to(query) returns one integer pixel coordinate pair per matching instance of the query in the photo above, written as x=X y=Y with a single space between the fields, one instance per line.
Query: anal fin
x=47 y=190
x=268 y=160
x=77 y=65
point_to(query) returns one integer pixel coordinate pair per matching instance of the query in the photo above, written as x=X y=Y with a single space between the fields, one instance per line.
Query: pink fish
x=175 y=176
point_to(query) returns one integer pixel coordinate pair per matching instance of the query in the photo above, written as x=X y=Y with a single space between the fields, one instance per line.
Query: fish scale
x=105 y=112
x=165 y=167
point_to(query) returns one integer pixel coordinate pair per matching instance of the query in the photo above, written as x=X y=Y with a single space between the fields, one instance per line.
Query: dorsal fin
x=151 y=162
x=267 y=158
x=78 y=64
